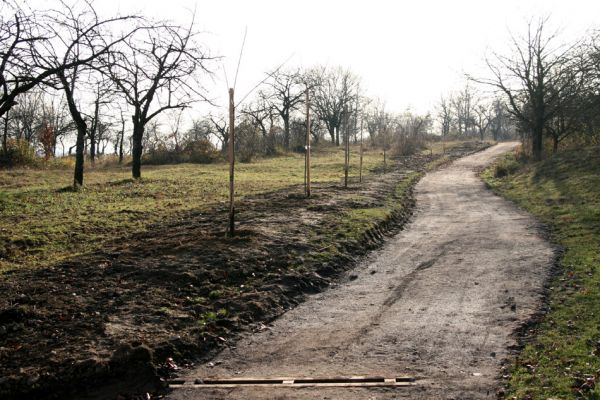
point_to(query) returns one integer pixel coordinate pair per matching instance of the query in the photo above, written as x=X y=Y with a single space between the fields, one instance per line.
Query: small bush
x=248 y=143
x=19 y=153
x=405 y=146
x=201 y=152
x=67 y=162
x=162 y=155
x=197 y=151
x=506 y=167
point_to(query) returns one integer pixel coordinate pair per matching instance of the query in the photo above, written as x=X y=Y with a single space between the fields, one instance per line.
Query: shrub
x=67 y=162
x=201 y=151
x=198 y=151
x=19 y=153
x=248 y=143
x=405 y=146
x=161 y=155
x=506 y=167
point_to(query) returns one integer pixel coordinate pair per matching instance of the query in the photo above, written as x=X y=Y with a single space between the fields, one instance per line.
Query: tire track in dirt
x=432 y=303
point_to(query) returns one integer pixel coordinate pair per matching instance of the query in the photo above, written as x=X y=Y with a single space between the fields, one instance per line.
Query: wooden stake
x=307 y=157
x=361 y=152
x=231 y=149
x=347 y=148
x=384 y=164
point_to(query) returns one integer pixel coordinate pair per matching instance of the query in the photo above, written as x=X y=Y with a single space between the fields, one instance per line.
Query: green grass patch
x=42 y=222
x=563 y=361
x=351 y=225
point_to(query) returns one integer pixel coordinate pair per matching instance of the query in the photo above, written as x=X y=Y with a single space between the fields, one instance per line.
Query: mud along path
x=439 y=302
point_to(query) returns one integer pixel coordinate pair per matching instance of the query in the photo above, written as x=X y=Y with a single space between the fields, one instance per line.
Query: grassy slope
x=561 y=359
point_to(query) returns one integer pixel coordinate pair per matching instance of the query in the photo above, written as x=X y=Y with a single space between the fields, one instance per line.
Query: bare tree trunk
x=5 y=135
x=121 y=141
x=231 y=148
x=286 y=132
x=537 y=143
x=136 y=150
x=360 y=166
x=81 y=131
x=54 y=143
x=346 y=148
x=93 y=130
x=554 y=144
x=307 y=162
x=79 y=153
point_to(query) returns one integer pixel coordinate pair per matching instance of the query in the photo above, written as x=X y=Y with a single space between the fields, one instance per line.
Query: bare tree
x=463 y=106
x=56 y=115
x=22 y=38
x=103 y=95
x=120 y=135
x=174 y=128
x=591 y=95
x=261 y=114
x=334 y=91
x=285 y=95
x=157 y=70
x=5 y=122
x=220 y=130
x=445 y=114
x=153 y=138
x=579 y=98
x=35 y=46
x=201 y=129
x=534 y=79
x=482 y=119
x=25 y=116
x=371 y=117
x=81 y=39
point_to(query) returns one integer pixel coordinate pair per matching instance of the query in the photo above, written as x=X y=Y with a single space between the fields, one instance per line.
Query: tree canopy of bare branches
x=157 y=69
x=335 y=91
x=536 y=80
x=284 y=95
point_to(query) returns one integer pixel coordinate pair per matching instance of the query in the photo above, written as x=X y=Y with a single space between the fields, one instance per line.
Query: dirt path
x=439 y=302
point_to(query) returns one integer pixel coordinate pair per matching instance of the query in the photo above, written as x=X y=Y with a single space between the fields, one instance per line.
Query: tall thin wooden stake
x=346 y=148
x=307 y=159
x=361 y=151
x=384 y=146
x=231 y=148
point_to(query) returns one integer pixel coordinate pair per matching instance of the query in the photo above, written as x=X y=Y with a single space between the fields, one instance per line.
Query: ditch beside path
x=440 y=302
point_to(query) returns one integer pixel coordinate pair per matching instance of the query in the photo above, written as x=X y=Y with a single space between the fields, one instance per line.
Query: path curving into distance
x=440 y=302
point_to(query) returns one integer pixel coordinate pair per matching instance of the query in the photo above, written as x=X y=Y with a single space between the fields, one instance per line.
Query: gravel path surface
x=440 y=302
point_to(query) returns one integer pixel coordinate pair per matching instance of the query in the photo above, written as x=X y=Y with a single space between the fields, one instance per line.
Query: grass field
x=42 y=221
x=562 y=357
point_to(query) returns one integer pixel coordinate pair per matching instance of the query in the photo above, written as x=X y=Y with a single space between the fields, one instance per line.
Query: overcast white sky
x=407 y=52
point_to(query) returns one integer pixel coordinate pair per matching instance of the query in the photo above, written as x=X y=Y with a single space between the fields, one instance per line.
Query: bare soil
x=440 y=301
x=116 y=322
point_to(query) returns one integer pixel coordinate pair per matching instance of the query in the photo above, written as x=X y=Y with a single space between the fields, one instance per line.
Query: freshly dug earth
x=440 y=302
x=111 y=322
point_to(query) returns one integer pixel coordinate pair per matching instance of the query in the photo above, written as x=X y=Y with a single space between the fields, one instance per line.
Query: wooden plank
x=298 y=385
x=336 y=381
